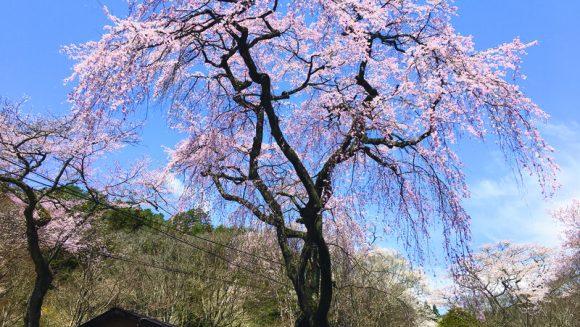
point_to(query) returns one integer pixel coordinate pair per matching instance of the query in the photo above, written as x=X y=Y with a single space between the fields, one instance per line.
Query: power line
x=126 y=214
x=179 y=271
x=165 y=233
x=218 y=243
x=152 y=265
x=166 y=226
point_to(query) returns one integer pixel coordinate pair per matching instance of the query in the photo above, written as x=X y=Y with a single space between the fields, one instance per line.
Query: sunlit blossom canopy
x=355 y=105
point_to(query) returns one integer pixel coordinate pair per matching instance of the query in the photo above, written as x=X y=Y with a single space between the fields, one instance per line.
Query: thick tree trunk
x=325 y=265
x=43 y=274
x=314 y=289
x=34 y=305
x=312 y=278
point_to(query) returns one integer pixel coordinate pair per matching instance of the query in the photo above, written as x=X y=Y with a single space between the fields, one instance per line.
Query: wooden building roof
x=117 y=317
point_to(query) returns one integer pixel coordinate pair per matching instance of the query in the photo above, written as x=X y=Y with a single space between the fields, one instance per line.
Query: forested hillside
x=187 y=272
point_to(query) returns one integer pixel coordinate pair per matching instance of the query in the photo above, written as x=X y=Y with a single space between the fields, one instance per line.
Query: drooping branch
x=331 y=84
x=234 y=198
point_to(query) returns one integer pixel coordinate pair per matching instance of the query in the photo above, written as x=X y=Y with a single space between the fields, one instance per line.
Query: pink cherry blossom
x=311 y=112
x=43 y=158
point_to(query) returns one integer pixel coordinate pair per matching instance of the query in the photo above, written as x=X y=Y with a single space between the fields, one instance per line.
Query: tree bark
x=312 y=278
x=44 y=276
x=309 y=271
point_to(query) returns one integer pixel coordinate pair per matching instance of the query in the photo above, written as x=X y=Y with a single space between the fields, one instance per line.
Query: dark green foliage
x=457 y=317
x=193 y=221
x=65 y=262
x=131 y=219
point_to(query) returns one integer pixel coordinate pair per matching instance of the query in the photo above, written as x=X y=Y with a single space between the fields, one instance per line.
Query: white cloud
x=175 y=186
x=561 y=131
x=489 y=189
x=503 y=208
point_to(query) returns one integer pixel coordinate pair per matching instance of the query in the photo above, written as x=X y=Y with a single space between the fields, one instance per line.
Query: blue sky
x=32 y=33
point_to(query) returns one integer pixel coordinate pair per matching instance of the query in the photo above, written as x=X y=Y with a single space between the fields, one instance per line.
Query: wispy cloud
x=175 y=186
x=503 y=208
x=562 y=131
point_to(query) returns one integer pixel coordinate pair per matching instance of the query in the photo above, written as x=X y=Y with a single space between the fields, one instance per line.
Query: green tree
x=457 y=317
x=192 y=221
x=132 y=219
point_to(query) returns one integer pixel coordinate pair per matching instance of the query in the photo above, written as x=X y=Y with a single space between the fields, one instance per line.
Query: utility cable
x=166 y=226
x=145 y=223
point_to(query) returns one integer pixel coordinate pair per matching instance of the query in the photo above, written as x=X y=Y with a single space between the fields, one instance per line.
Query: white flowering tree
x=503 y=280
x=568 y=267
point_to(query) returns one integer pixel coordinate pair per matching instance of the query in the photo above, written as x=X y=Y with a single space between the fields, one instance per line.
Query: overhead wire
x=169 y=269
x=165 y=226
x=218 y=243
x=178 y=271
x=145 y=222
